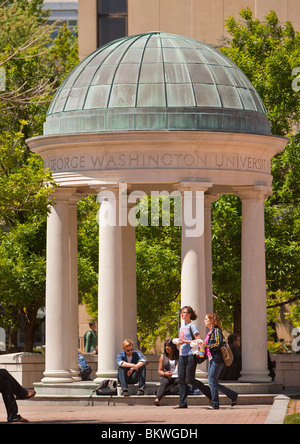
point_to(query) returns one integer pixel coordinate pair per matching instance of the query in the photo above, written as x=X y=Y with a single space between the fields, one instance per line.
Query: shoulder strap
x=192 y=334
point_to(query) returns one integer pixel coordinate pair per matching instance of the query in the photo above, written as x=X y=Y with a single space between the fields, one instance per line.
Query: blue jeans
x=137 y=376
x=186 y=375
x=215 y=366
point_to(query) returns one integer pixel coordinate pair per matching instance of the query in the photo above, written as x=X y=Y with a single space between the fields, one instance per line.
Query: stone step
x=83 y=393
x=201 y=400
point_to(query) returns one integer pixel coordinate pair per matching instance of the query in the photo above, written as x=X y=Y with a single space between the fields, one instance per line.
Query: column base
x=105 y=374
x=74 y=375
x=57 y=377
x=254 y=377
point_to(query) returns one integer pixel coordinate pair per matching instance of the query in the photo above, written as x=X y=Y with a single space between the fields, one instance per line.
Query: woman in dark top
x=167 y=366
x=213 y=342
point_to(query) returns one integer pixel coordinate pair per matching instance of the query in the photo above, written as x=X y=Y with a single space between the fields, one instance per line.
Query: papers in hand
x=195 y=346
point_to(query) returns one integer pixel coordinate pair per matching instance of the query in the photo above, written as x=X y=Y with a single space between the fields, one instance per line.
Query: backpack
x=226 y=354
x=107 y=387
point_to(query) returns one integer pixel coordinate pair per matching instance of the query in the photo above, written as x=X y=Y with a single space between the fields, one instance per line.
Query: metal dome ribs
x=156 y=82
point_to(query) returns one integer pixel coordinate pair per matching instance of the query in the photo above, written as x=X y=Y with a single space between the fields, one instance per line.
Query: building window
x=112 y=20
x=66 y=13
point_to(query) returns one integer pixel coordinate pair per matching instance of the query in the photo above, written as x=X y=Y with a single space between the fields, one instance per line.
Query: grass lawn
x=293 y=414
x=292 y=419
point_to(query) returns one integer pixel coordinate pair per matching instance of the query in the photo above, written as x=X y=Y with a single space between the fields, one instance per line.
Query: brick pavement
x=38 y=413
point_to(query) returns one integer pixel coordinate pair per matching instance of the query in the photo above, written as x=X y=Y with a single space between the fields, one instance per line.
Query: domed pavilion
x=153 y=114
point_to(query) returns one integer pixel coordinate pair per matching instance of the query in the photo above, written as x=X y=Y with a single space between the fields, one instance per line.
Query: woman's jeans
x=215 y=366
x=10 y=388
x=186 y=375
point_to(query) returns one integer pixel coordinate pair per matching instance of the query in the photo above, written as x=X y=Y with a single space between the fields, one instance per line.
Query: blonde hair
x=214 y=319
x=127 y=342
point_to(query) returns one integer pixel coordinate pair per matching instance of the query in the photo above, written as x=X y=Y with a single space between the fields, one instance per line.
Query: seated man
x=132 y=368
x=10 y=388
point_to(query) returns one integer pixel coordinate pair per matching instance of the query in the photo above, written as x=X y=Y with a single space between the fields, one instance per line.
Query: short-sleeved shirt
x=186 y=335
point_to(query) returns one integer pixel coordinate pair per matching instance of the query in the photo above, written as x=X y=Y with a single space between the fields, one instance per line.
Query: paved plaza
x=143 y=419
x=139 y=414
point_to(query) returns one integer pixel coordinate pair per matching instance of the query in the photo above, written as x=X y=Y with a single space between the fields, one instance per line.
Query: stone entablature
x=219 y=158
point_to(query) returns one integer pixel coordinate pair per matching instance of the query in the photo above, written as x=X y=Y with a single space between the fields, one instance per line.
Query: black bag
x=107 y=387
x=201 y=359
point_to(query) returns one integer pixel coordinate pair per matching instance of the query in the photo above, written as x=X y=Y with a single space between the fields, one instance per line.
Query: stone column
x=254 y=311
x=193 y=269
x=208 y=201
x=129 y=281
x=110 y=295
x=57 y=291
x=73 y=286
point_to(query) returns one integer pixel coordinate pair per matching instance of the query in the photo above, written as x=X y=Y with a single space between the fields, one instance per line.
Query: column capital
x=66 y=194
x=253 y=192
x=210 y=199
x=193 y=186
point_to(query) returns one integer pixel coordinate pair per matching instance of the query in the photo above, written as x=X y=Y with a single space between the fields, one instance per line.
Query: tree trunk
x=30 y=327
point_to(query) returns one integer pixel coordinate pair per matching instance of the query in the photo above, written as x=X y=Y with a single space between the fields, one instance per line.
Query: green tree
x=268 y=53
x=34 y=65
x=88 y=247
x=22 y=276
x=226 y=259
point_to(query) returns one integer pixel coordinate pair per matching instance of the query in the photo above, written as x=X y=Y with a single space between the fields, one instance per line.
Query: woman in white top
x=167 y=369
x=187 y=362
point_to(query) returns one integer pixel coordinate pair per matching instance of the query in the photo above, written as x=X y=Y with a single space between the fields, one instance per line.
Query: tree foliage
x=268 y=53
x=33 y=65
x=226 y=259
x=22 y=276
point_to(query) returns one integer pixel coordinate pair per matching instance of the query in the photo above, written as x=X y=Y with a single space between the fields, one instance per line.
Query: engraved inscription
x=133 y=160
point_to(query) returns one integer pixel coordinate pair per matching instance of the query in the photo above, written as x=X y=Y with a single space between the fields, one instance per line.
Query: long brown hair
x=214 y=319
x=191 y=311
